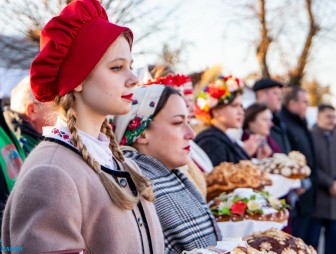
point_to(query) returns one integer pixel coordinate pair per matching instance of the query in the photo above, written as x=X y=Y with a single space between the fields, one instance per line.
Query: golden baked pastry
x=228 y=176
x=293 y=166
x=237 y=250
x=278 y=242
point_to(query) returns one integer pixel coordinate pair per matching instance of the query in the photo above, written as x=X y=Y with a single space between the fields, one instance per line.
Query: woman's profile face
x=169 y=133
x=108 y=89
x=230 y=116
x=262 y=124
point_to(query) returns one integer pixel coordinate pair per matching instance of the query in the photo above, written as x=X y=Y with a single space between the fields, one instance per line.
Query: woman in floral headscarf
x=198 y=162
x=220 y=106
x=157 y=135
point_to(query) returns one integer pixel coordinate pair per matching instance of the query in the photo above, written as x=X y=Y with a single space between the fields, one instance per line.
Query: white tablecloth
x=281 y=185
x=247 y=227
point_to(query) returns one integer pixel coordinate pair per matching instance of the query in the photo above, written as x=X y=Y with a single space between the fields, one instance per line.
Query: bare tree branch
x=265 y=41
x=298 y=73
x=26 y=18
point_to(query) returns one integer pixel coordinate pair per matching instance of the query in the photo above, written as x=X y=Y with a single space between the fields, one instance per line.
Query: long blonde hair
x=119 y=197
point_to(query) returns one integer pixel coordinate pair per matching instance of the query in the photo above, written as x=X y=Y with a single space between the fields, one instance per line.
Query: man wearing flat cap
x=269 y=92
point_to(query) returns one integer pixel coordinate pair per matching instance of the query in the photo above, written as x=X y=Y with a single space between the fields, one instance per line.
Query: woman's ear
x=143 y=138
x=214 y=113
x=79 y=88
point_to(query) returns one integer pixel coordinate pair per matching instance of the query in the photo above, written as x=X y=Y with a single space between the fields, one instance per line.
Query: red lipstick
x=187 y=148
x=128 y=97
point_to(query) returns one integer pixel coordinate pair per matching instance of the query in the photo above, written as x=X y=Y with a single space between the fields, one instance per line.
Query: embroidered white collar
x=98 y=148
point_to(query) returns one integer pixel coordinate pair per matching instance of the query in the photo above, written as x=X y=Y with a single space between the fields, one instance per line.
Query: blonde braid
x=118 y=196
x=143 y=186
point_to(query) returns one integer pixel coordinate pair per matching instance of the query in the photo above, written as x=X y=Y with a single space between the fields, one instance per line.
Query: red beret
x=71 y=46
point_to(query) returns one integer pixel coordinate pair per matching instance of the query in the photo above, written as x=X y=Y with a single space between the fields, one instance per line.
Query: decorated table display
x=245 y=211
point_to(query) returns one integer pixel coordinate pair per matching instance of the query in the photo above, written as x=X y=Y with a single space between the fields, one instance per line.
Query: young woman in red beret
x=76 y=193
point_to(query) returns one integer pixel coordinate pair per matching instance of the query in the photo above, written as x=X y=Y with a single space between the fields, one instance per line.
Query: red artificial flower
x=188 y=91
x=175 y=81
x=134 y=124
x=55 y=131
x=123 y=141
x=66 y=136
x=238 y=208
x=216 y=92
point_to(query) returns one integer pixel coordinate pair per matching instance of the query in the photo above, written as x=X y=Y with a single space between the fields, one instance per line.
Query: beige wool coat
x=59 y=204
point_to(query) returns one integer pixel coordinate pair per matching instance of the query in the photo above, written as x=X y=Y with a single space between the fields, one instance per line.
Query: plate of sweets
x=293 y=165
x=227 y=177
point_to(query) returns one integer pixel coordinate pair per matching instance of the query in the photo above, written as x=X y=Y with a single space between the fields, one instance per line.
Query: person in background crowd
x=160 y=70
x=258 y=120
x=269 y=92
x=157 y=136
x=26 y=116
x=76 y=192
x=293 y=114
x=220 y=106
x=324 y=139
x=11 y=159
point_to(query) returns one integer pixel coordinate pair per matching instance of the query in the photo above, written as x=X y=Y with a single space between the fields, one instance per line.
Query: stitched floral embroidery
x=62 y=135
x=152 y=104
x=134 y=129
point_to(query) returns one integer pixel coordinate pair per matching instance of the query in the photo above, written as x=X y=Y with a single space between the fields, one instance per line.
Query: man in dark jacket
x=269 y=92
x=293 y=114
x=324 y=137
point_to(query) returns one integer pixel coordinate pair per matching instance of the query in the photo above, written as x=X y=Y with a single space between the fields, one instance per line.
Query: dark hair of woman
x=252 y=112
x=164 y=98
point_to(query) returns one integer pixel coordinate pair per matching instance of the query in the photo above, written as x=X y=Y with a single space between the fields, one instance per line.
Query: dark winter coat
x=279 y=134
x=219 y=147
x=325 y=152
x=300 y=139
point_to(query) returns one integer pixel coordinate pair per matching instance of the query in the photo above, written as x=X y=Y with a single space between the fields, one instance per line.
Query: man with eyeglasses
x=293 y=114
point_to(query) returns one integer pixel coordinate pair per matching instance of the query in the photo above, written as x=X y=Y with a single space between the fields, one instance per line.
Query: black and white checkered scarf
x=185 y=218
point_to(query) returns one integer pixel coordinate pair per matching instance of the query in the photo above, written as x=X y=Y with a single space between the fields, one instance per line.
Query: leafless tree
x=297 y=73
x=286 y=32
x=264 y=42
x=21 y=23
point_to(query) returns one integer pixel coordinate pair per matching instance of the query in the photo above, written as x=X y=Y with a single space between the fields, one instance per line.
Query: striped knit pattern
x=185 y=218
